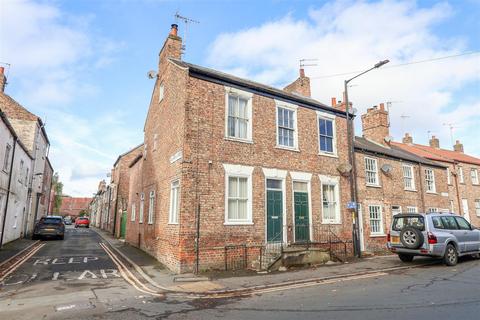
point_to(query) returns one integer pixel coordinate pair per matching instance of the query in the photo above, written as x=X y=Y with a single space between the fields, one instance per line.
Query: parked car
x=67 y=220
x=49 y=226
x=444 y=235
x=82 y=222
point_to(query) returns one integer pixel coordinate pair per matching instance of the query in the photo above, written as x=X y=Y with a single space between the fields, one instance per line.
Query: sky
x=82 y=65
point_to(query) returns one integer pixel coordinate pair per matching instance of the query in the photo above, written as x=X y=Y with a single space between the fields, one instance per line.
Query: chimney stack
x=300 y=86
x=458 y=147
x=3 y=79
x=375 y=125
x=334 y=102
x=407 y=139
x=174 y=30
x=172 y=48
x=434 y=142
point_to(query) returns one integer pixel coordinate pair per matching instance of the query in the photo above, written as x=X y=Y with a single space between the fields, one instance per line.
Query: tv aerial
x=186 y=22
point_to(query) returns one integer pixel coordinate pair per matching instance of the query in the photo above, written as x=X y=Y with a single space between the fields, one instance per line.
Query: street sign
x=351 y=205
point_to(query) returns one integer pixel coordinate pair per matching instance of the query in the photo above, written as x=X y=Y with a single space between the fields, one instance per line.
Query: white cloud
x=354 y=35
x=51 y=53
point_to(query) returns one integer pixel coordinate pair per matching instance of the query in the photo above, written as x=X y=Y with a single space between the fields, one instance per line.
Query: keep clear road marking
x=63 y=260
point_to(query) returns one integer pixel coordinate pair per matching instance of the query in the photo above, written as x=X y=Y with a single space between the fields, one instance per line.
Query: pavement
x=231 y=281
x=82 y=277
x=14 y=247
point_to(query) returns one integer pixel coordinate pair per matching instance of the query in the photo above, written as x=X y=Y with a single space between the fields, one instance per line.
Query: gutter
x=4 y=221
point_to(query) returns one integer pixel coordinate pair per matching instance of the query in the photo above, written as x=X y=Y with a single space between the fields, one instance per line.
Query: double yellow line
x=128 y=275
x=21 y=260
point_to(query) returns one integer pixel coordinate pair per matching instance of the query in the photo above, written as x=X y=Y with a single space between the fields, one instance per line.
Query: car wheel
x=88 y=226
x=411 y=238
x=406 y=257
x=61 y=237
x=451 y=256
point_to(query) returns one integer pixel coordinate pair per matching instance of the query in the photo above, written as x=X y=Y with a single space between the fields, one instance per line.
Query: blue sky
x=81 y=65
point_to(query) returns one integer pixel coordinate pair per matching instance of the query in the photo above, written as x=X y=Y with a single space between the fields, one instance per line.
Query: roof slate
x=394 y=152
x=295 y=98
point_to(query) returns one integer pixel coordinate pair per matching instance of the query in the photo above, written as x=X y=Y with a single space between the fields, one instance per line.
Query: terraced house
x=463 y=170
x=230 y=165
x=391 y=180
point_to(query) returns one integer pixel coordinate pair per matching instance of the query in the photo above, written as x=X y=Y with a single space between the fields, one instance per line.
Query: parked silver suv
x=434 y=234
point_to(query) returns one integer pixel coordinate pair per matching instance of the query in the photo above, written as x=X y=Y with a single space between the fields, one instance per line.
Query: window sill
x=373 y=185
x=286 y=148
x=327 y=154
x=173 y=223
x=238 y=140
x=334 y=223
x=411 y=190
x=431 y=192
x=239 y=223
x=378 y=235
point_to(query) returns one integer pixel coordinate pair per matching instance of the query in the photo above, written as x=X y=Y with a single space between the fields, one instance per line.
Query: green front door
x=123 y=225
x=274 y=211
x=302 y=223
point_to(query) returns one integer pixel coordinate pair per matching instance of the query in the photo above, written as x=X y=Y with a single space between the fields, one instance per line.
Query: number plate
x=395 y=239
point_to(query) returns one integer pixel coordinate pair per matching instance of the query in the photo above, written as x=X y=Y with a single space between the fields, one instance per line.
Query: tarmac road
x=75 y=279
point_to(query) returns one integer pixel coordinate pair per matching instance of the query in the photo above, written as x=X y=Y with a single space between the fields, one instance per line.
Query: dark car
x=67 y=220
x=82 y=222
x=49 y=226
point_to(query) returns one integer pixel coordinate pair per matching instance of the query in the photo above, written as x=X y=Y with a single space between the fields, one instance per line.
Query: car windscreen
x=414 y=221
x=51 y=221
x=83 y=219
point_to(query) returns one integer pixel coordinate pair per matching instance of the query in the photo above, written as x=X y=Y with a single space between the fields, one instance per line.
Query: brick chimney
x=458 y=147
x=172 y=48
x=300 y=86
x=375 y=124
x=3 y=79
x=434 y=142
x=407 y=139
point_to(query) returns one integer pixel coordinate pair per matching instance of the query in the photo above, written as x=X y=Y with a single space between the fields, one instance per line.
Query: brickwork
x=72 y=206
x=300 y=86
x=375 y=124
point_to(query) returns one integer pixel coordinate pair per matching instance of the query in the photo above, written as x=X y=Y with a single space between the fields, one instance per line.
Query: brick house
x=72 y=206
x=231 y=162
x=391 y=180
x=119 y=187
x=463 y=176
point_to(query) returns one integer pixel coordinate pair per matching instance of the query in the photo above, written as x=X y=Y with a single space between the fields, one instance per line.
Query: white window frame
x=432 y=210
x=460 y=175
x=412 y=209
x=151 y=207
x=477 y=207
x=449 y=177
x=377 y=177
x=399 y=207
x=174 y=210
x=474 y=176
x=433 y=188
x=133 y=213
x=335 y=182
x=412 y=177
x=291 y=107
x=249 y=97
x=330 y=117
x=161 y=92
x=381 y=232
x=452 y=206
x=235 y=170
x=142 y=205
x=6 y=160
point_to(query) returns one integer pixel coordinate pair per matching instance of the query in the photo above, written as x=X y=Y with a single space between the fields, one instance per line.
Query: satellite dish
x=354 y=111
x=387 y=168
x=151 y=74
x=388 y=139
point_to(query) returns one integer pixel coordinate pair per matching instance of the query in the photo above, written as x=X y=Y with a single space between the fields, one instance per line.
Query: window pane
x=232 y=187
x=242 y=108
x=242 y=187
x=232 y=209
x=300 y=186
x=232 y=105
x=329 y=144
x=323 y=129
x=242 y=209
x=329 y=128
x=274 y=184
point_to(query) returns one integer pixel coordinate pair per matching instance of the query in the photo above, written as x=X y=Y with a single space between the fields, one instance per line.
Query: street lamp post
x=351 y=158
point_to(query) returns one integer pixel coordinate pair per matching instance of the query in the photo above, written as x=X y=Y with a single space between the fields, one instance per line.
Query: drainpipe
x=115 y=211
x=457 y=189
x=8 y=192
x=421 y=187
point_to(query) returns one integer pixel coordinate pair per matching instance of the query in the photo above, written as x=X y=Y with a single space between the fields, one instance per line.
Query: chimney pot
x=458 y=147
x=334 y=102
x=434 y=142
x=302 y=73
x=2 y=70
x=382 y=106
x=174 y=30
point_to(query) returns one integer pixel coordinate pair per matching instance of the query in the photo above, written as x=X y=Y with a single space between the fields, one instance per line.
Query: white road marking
x=113 y=272
x=68 y=307
x=42 y=261
x=85 y=273
x=55 y=276
x=86 y=259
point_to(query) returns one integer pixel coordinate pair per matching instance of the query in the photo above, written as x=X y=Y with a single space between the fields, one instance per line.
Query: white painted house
x=15 y=177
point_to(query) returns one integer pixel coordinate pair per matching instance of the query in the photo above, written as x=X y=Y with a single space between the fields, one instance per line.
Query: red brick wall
x=392 y=193
x=72 y=206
